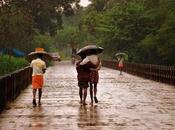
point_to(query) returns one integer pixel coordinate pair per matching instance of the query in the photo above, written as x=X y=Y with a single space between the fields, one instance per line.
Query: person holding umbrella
x=120 y=60
x=91 y=51
x=83 y=79
x=39 y=67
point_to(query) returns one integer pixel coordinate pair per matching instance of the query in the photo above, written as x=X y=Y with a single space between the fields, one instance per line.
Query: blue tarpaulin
x=1 y=51
x=15 y=52
x=18 y=53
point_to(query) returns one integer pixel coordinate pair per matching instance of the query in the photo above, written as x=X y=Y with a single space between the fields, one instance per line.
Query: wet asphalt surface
x=126 y=102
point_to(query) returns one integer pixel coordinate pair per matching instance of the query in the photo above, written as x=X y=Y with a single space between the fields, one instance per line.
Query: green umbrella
x=121 y=54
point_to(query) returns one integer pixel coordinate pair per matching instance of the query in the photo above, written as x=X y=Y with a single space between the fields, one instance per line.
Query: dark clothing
x=94 y=76
x=83 y=84
x=84 y=72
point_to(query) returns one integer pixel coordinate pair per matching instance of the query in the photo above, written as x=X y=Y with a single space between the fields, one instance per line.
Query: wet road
x=126 y=102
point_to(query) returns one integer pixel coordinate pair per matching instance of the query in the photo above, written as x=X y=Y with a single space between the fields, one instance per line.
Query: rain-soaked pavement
x=126 y=102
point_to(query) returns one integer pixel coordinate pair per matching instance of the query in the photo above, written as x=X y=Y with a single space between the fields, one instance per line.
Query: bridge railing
x=160 y=73
x=11 y=85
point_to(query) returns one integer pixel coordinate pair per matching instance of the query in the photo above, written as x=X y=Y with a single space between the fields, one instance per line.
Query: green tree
x=159 y=47
x=21 y=20
x=47 y=14
x=16 y=29
x=98 y=5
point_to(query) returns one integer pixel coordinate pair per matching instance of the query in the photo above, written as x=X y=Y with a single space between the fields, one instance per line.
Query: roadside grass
x=8 y=65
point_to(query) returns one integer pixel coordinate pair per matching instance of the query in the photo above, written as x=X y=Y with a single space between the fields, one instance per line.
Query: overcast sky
x=84 y=3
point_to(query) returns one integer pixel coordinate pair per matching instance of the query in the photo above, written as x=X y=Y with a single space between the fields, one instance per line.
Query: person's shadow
x=88 y=116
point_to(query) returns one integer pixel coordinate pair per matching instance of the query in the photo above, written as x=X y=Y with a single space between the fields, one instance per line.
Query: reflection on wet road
x=126 y=102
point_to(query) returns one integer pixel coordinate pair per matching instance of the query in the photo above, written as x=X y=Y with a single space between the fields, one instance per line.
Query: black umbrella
x=90 y=50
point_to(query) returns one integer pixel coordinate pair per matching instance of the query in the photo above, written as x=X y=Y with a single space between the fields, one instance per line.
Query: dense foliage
x=143 y=29
x=9 y=65
x=24 y=23
x=27 y=24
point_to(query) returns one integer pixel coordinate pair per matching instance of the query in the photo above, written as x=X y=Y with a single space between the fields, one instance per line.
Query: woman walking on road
x=94 y=77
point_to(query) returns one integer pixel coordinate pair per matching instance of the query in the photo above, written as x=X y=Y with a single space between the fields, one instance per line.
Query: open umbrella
x=121 y=54
x=89 y=50
x=33 y=55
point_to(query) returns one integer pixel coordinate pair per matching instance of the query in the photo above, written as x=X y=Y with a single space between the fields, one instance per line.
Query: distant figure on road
x=120 y=61
x=74 y=51
x=83 y=79
x=39 y=67
x=94 y=76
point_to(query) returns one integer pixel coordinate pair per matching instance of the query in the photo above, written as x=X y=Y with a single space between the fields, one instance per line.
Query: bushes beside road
x=10 y=64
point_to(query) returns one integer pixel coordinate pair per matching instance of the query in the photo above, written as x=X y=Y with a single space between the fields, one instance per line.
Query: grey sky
x=84 y=3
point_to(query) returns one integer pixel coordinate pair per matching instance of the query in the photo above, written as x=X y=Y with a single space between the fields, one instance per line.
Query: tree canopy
x=22 y=22
x=143 y=29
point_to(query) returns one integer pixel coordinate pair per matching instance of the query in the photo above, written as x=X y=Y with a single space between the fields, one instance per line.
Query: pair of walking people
x=87 y=69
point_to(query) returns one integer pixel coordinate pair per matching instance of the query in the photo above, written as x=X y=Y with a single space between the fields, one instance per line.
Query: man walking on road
x=39 y=67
